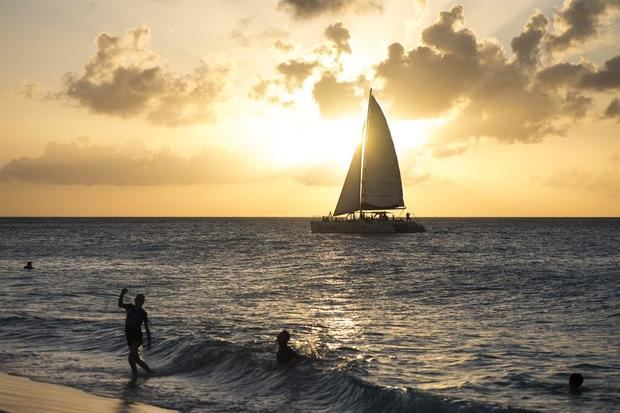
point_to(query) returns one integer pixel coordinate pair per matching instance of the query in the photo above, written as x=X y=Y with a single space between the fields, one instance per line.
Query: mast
x=363 y=152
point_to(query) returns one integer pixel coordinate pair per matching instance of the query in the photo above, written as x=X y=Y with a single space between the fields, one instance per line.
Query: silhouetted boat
x=372 y=186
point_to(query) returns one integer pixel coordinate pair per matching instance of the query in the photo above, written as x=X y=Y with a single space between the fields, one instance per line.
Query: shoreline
x=23 y=395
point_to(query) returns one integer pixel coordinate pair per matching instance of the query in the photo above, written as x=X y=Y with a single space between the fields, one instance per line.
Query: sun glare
x=310 y=141
x=314 y=141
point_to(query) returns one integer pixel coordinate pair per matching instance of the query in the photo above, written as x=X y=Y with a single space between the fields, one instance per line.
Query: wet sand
x=22 y=395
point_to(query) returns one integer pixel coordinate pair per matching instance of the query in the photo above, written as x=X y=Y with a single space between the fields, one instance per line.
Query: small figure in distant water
x=28 y=266
x=285 y=353
x=575 y=381
x=408 y=215
x=133 y=331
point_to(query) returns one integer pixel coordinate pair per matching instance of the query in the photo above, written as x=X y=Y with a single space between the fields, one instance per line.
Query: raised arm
x=120 y=298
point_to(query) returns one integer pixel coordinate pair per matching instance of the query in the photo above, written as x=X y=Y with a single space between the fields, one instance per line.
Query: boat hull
x=373 y=226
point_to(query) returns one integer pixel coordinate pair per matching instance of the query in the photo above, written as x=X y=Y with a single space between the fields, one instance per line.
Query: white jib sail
x=381 y=184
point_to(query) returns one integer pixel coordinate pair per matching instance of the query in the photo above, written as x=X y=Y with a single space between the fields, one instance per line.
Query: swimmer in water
x=285 y=353
x=575 y=381
x=136 y=316
x=29 y=266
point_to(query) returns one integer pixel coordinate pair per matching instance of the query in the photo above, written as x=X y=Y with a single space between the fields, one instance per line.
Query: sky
x=254 y=107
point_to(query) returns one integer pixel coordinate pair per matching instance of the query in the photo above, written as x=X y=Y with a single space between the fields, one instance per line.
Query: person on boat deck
x=136 y=316
x=286 y=354
x=29 y=266
x=408 y=215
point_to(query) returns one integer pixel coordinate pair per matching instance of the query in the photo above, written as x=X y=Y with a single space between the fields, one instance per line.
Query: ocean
x=475 y=315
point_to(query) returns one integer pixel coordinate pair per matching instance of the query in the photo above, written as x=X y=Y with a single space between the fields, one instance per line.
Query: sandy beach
x=22 y=395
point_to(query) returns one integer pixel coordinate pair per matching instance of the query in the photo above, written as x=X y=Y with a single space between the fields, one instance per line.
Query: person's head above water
x=575 y=381
x=139 y=300
x=283 y=337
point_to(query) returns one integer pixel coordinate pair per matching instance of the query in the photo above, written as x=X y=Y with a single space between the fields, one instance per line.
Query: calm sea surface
x=476 y=315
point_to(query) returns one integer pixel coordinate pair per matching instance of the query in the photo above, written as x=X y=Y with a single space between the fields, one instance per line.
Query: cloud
x=246 y=32
x=583 y=75
x=81 y=163
x=605 y=78
x=430 y=79
x=613 y=110
x=444 y=37
x=526 y=45
x=325 y=174
x=337 y=99
x=335 y=96
x=295 y=72
x=580 y=20
x=30 y=90
x=605 y=181
x=307 y=9
x=415 y=178
x=340 y=36
x=479 y=89
x=452 y=150
x=125 y=78
x=485 y=92
x=283 y=46
x=564 y=74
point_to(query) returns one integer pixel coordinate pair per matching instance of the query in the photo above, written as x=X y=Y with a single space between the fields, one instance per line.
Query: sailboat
x=372 y=186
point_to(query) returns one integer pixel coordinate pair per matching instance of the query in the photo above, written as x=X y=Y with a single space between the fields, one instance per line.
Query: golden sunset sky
x=254 y=108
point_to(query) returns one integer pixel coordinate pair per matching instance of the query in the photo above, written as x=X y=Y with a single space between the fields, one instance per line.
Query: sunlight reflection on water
x=496 y=312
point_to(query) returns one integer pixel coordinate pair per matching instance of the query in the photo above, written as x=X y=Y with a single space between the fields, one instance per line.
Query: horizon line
x=285 y=217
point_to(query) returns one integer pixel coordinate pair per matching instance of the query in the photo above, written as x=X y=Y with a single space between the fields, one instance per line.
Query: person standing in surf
x=136 y=316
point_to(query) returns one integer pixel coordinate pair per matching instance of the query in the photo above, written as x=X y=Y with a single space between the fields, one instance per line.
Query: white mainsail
x=381 y=184
x=373 y=181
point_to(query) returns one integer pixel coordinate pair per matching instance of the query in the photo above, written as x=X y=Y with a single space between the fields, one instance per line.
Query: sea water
x=475 y=315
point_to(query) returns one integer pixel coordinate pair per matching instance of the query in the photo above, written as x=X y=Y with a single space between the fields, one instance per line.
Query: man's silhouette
x=133 y=331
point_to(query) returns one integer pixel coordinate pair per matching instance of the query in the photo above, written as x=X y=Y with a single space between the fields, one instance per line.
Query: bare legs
x=136 y=358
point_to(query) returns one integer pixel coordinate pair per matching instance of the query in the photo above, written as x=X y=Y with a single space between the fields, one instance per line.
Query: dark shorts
x=134 y=339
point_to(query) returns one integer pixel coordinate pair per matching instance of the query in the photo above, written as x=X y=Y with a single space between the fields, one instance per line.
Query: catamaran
x=372 y=186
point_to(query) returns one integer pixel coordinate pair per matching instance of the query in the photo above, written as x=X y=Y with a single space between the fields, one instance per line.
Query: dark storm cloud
x=580 y=20
x=124 y=78
x=85 y=164
x=307 y=9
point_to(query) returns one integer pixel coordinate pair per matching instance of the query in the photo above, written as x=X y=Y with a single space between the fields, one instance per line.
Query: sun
x=311 y=140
